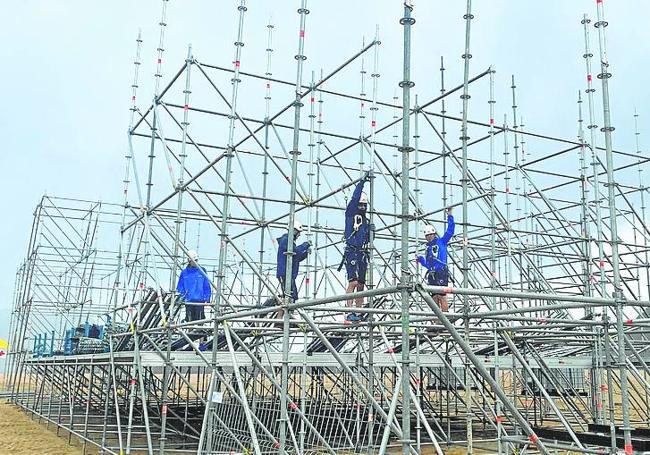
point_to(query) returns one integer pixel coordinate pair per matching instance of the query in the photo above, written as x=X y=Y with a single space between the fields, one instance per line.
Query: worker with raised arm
x=194 y=288
x=435 y=258
x=357 y=238
x=300 y=253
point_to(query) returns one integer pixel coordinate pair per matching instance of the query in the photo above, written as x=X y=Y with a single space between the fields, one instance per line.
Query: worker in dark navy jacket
x=357 y=238
x=435 y=258
x=194 y=287
x=300 y=254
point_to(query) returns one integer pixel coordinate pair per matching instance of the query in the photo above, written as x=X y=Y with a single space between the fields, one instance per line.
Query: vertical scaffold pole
x=394 y=181
x=12 y=322
x=311 y=174
x=607 y=129
x=223 y=244
x=177 y=240
x=371 y=261
x=362 y=110
x=418 y=223
x=524 y=192
x=310 y=234
x=111 y=380
x=362 y=149
x=493 y=262
x=443 y=132
x=602 y=341
x=319 y=145
x=646 y=266
x=295 y=152
x=515 y=129
x=405 y=276
x=265 y=169
x=586 y=262
x=642 y=190
x=464 y=138
x=158 y=76
x=584 y=197
x=508 y=227
x=416 y=168
x=596 y=373
x=517 y=194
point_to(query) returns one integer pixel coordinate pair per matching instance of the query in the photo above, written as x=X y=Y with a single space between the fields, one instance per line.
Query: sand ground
x=21 y=435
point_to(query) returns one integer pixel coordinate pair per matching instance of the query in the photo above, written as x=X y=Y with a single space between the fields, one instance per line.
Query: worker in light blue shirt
x=435 y=258
x=194 y=288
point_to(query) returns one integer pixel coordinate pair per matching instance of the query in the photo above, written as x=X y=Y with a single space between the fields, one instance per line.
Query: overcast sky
x=68 y=69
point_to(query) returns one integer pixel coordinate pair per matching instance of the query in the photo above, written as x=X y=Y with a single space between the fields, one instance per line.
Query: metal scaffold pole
x=220 y=299
x=493 y=263
x=603 y=339
x=295 y=152
x=177 y=258
x=405 y=275
x=443 y=132
x=265 y=168
x=642 y=190
x=111 y=380
x=158 y=76
x=607 y=129
x=371 y=253
x=464 y=136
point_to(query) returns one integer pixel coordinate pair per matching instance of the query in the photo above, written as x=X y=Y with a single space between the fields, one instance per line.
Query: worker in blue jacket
x=300 y=254
x=194 y=287
x=357 y=238
x=435 y=258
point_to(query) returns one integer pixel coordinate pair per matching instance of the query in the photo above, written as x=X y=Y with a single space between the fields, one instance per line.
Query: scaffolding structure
x=545 y=345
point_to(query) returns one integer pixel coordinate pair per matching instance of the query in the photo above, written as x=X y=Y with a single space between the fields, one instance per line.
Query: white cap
x=194 y=256
x=363 y=199
x=428 y=229
x=297 y=225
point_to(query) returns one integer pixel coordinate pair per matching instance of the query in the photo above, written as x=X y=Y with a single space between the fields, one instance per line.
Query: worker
x=194 y=288
x=357 y=238
x=300 y=253
x=435 y=259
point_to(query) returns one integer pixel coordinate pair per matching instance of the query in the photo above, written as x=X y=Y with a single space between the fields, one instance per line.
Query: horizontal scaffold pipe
x=553 y=445
x=526 y=295
x=272 y=309
x=575 y=302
